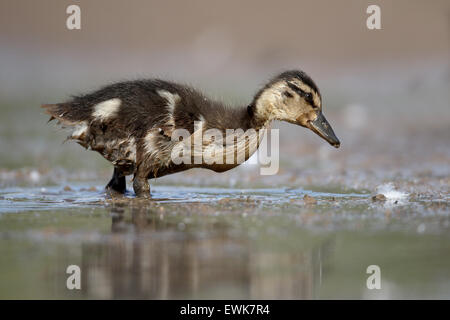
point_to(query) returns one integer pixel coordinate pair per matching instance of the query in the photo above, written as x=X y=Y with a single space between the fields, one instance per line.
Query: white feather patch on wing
x=106 y=109
x=172 y=100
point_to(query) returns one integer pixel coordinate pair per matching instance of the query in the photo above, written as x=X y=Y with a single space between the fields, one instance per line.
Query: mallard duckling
x=131 y=123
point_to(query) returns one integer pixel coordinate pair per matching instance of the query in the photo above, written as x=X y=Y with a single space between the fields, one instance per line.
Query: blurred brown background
x=218 y=44
x=395 y=79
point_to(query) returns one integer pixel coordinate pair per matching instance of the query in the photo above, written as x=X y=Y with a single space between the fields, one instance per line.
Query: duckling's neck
x=220 y=116
x=253 y=120
x=264 y=105
x=256 y=121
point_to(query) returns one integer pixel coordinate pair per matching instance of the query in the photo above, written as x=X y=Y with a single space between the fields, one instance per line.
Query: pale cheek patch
x=273 y=105
x=106 y=109
x=266 y=104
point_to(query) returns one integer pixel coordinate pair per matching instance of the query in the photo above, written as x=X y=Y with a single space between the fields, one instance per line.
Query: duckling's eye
x=287 y=94
x=308 y=96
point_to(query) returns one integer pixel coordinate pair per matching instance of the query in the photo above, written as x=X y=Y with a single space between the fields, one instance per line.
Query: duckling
x=131 y=123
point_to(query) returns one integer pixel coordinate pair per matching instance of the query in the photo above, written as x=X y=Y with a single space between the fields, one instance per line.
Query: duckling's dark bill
x=323 y=129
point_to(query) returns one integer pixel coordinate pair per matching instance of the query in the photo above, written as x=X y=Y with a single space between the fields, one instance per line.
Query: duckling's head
x=293 y=97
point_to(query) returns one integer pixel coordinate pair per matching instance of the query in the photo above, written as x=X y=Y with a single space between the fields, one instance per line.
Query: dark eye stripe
x=288 y=94
x=306 y=95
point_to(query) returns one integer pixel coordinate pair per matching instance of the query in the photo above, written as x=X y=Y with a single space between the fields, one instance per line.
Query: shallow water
x=238 y=234
x=197 y=242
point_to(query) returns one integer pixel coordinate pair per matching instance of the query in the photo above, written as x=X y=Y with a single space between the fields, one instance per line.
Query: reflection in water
x=229 y=248
x=153 y=255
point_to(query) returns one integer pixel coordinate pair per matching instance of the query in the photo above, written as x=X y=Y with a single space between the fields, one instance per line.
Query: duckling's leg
x=117 y=182
x=141 y=187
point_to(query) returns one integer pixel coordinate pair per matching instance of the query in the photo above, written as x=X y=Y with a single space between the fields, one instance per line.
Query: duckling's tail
x=63 y=114
x=57 y=111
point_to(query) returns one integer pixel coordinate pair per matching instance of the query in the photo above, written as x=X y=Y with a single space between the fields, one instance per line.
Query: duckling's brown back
x=116 y=119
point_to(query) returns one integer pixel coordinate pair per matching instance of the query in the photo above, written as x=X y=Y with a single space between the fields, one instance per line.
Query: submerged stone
x=379 y=197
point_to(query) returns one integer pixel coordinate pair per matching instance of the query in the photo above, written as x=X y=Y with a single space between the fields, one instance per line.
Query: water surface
x=195 y=242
